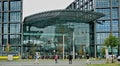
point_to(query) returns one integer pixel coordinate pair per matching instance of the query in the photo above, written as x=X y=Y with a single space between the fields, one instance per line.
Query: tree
x=111 y=42
x=7 y=48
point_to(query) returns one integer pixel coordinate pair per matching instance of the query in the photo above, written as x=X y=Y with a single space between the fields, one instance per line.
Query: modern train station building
x=61 y=32
x=79 y=29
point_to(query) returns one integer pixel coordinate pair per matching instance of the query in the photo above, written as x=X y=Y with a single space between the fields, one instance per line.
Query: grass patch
x=109 y=64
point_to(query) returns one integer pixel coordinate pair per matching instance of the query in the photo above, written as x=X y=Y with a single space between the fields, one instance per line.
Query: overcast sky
x=35 y=6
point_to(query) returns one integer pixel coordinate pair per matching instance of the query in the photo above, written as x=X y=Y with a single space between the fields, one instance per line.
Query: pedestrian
x=37 y=56
x=70 y=59
x=88 y=61
x=56 y=58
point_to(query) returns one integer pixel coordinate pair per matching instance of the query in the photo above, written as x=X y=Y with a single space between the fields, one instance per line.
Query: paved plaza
x=50 y=63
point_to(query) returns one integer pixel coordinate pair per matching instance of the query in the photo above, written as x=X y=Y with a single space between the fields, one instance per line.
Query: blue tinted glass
x=0 y=6
x=100 y=37
x=15 y=17
x=105 y=26
x=5 y=6
x=106 y=12
x=15 y=39
x=14 y=28
x=5 y=17
x=115 y=13
x=114 y=25
x=15 y=5
x=5 y=38
x=5 y=28
x=102 y=3
x=0 y=28
x=115 y=2
x=0 y=18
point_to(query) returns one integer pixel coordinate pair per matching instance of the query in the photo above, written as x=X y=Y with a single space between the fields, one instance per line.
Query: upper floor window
x=15 y=17
x=6 y=6
x=15 y=5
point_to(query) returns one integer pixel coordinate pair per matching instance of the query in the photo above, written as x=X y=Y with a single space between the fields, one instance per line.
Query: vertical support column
x=73 y=46
x=110 y=16
x=63 y=46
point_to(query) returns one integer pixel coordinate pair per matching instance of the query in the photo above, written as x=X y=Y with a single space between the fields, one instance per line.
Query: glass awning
x=49 y=18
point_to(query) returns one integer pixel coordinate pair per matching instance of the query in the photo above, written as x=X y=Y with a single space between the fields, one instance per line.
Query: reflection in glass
x=14 y=39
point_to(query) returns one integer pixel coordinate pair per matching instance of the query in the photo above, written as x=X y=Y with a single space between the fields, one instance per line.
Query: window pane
x=0 y=28
x=114 y=25
x=5 y=38
x=15 y=39
x=0 y=17
x=15 y=17
x=115 y=13
x=0 y=39
x=103 y=27
x=5 y=28
x=5 y=17
x=100 y=37
x=115 y=2
x=106 y=12
x=14 y=28
x=15 y=5
x=0 y=6
x=5 y=6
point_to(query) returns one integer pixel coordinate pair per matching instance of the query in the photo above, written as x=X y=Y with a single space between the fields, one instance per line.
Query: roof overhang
x=48 y=18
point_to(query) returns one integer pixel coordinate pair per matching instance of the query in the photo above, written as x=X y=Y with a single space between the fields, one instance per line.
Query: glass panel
x=15 y=5
x=15 y=16
x=5 y=6
x=0 y=6
x=115 y=2
x=0 y=17
x=5 y=38
x=100 y=37
x=102 y=3
x=103 y=27
x=0 y=28
x=5 y=17
x=0 y=39
x=15 y=39
x=15 y=49
x=106 y=12
x=14 y=28
x=115 y=13
x=5 y=28
x=114 y=25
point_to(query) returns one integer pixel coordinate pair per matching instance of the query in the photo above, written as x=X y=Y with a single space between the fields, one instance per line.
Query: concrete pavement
x=49 y=63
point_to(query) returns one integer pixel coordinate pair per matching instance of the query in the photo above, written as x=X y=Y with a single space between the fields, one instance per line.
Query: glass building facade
x=11 y=24
x=57 y=32
x=110 y=22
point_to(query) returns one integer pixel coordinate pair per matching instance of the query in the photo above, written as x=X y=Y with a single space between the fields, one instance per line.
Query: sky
x=36 y=6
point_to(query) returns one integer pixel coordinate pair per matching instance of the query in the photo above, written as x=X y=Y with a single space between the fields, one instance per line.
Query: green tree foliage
x=111 y=42
x=31 y=50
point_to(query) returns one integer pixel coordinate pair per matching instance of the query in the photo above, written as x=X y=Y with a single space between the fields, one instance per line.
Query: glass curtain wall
x=109 y=23
x=52 y=39
x=11 y=24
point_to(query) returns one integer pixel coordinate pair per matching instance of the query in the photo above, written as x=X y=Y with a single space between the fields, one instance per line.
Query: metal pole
x=63 y=46
x=73 y=47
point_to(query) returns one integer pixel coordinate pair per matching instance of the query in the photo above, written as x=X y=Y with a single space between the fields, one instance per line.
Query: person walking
x=56 y=58
x=70 y=59
x=37 y=56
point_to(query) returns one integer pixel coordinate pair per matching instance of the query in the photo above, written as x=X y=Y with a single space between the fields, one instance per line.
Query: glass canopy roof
x=49 y=18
